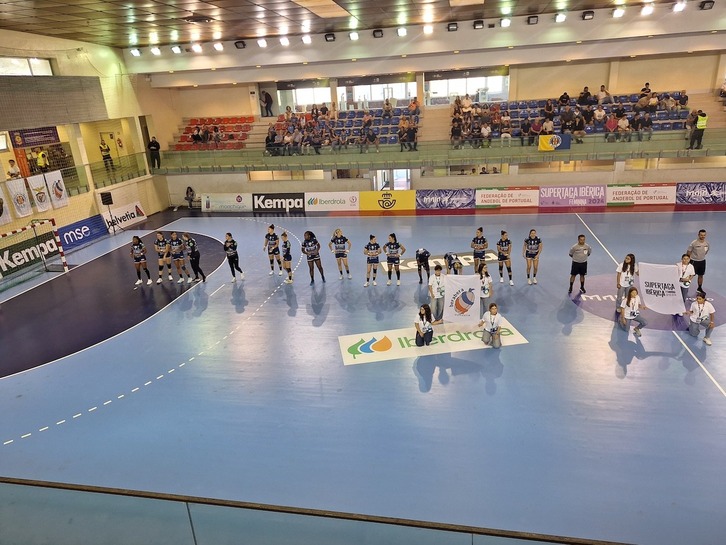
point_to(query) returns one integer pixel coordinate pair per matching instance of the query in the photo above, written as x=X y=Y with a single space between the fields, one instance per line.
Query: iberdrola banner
x=659 y=288
x=461 y=302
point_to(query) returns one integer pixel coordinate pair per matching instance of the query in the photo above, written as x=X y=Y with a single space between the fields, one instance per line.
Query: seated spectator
x=584 y=98
x=603 y=96
x=287 y=143
x=367 y=120
x=568 y=126
x=564 y=100
x=496 y=121
x=611 y=128
x=505 y=134
x=288 y=113
x=206 y=134
x=624 y=129
x=197 y=135
x=567 y=114
x=457 y=118
x=457 y=106
x=387 y=108
x=466 y=107
x=636 y=124
x=486 y=134
x=534 y=131
x=578 y=129
x=646 y=126
x=494 y=108
x=476 y=136
x=336 y=144
x=297 y=137
x=413 y=107
x=505 y=118
x=548 y=127
x=466 y=133
x=484 y=170
x=619 y=110
x=345 y=138
x=588 y=114
x=653 y=103
x=524 y=128
x=642 y=104
x=476 y=112
x=315 y=112
x=306 y=143
x=669 y=103
x=456 y=136
x=549 y=109
x=683 y=100
x=495 y=170
x=279 y=143
x=270 y=148
x=324 y=111
x=316 y=141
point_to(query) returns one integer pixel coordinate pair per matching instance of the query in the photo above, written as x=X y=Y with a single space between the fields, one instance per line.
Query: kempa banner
x=123 y=216
x=278 y=202
x=328 y=202
x=396 y=344
x=20 y=256
x=227 y=202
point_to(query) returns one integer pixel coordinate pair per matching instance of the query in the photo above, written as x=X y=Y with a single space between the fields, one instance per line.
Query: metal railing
x=118 y=169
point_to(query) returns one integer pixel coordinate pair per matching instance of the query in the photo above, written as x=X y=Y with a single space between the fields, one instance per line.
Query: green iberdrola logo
x=370 y=346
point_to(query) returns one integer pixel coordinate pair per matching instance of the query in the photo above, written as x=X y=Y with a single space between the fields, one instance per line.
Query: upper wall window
x=15 y=66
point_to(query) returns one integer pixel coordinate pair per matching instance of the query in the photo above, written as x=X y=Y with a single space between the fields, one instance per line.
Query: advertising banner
x=628 y=195
x=495 y=197
x=701 y=193
x=278 y=202
x=56 y=189
x=227 y=202
x=26 y=253
x=123 y=216
x=331 y=201
x=572 y=195
x=659 y=288
x=4 y=208
x=39 y=192
x=19 y=197
x=380 y=201
x=445 y=199
x=82 y=232
x=30 y=138
x=552 y=142
x=461 y=299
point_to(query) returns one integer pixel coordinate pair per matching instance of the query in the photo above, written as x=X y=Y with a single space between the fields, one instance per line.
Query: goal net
x=29 y=251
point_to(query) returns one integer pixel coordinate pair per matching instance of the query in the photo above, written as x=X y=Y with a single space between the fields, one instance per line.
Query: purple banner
x=445 y=199
x=701 y=193
x=29 y=138
x=572 y=195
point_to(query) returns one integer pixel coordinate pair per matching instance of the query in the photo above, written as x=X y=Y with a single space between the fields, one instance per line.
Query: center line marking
x=598 y=240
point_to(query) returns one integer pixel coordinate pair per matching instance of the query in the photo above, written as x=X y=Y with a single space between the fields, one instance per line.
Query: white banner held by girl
x=659 y=288
x=461 y=298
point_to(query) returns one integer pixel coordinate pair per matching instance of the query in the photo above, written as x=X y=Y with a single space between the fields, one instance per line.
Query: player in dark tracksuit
x=194 y=256
x=422 y=262
x=230 y=248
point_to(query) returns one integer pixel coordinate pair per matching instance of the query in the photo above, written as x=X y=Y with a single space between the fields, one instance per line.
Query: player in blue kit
x=530 y=251
x=422 y=262
x=138 y=252
x=340 y=246
x=453 y=263
x=372 y=251
x=272 y=245
x=176 y=249
x=311 y=248
x=230 y=248
x=161 y=245
x=394 y=250
x=504 y=255
x=286 y=257
x=479 y=244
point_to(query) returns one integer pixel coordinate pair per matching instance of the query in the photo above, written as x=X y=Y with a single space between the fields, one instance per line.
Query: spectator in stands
x=270 y=143
x=457 y=119
x=578 y=130
x=266 y=101
x=584 y=98
x=549 y=109
x=568 y=126
x=642 y=104
x=333 y=113
x=217 y=135
x=603 y=96
x=189 y=196
x=683 y=100
x=645 y=91
x=698 y=131
x=534 y=131
x=287 y=143
x=669 y=103
x=690 y=123
x=288 y=113
x=504 y=117
x=197 y=135
x=324 y=111
x=624 y=131
x=476 y=112
x=524 y=132
x=653 y=103
x=316 y=141
x=599 y=116
x=345 y=138
x=476 y=136
x=611 y=128
x=485 y=115
x=548 y=127
x=412 y=136
x=297 y=137
x=456 y=135
x=484 y=170
x=588 y=114
x=314 y=112
x=154 y=154
x=486 y=134
x=619 y=110
x=466 y=107
x=13 y=170
x=413 y=107
x=564 y=100
x=206 y=134
x=646 y=126
x=279 y=137
x=387 y=109
x=505 y=134
x=367 y=120
x=495 y=170
x=636 y=125
x=370 y=137
x=306 y=142
x=567 y=114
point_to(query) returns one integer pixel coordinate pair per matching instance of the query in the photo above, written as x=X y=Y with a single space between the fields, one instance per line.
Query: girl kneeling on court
x=424 y=329
x=492 y=324
x=630 y=312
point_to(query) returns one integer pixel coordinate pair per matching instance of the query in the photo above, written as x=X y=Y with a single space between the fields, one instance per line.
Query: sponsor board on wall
x=226 y=202
x=395 y=344
x=123 y=216
x=496 y=197
x=21 y=255
x=628 y=195
x=445 y=199
x=701 y=193
x=331 y=201
x=82 y=232
x=278 y=202
x=572 y=195
x=381 y=201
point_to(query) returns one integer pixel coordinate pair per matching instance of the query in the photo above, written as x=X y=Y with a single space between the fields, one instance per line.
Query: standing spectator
x=436 y=294
x=266 y=101
x=697 y=251
x=603 y=96
x=703 y=314
x=411 y=136
x=106 y=156
x=154 y=148
x=579 y=254
x=13 y=170
x=697 y=133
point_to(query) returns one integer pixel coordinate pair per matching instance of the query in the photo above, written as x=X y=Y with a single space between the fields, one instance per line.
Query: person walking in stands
x=630 y=312
x=579 y=254
x=106 y=156
x=176 y=248
x=194 y=256
x=697 y=251
x=267 y=102
x=492 y=324
x=698 y=130
x=504 y=255
x=479 y=244
x=286 y=257
x=154 y=152
x=531 y=249
x=338 y=245
x=487 y=289
x=272 y=245
x=138 y=252
x=626 y=273
x=436 y=295
x=230 y=248
x=703 y=314
x=422 y=262
x=372 y=251
x=161 y=245
x=311 y=248
x=393 y=250
x=424 y=327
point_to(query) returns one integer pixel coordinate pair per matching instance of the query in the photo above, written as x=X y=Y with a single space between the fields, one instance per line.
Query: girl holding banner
x=703 y=314
x=627 y=271
x=424 y=327
x=630 y=312
x=487 y=289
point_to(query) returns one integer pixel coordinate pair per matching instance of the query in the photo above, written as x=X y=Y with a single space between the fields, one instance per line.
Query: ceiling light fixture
x=679 y=6
x=330 y=37
x=135 y=52
x=176 y=49
x=378 y=33
x=560 y=18
x=285 y=41
x=505 y=22
x=307 y=39
x=706 y=4
x=647 y=9
x=452 y=27
x=219 y=46
x=532 y=20
x=618 y=12
x=197 y=48
x=588 y=15
x=428 y=29
x=401 y=31
x=240 y=44
x=262 y=42
x=155 y=51
x=478 y=24
x=353 y=36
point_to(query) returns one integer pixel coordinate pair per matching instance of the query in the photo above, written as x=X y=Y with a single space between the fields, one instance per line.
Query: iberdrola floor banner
x=659 y=288
x=461 y=299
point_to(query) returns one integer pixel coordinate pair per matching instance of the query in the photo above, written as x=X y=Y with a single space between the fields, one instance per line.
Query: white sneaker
x=149 y=282
x=137 y=282
x=511 y=282
x=350 y=276
x=707 y=341
x=189 y=279
x=171 y=278
x=287 y=281
x=159 y=280
x=279 y=273
x=679 y=314
x=180 y=281
x=374 y=283
x=271 y=273
x=241 y=276
x=340 y=277
x=501 y=280
x=529 y=281
x=534 y=280
x=398 y=282
x=365 y=285
x=388 y=283
x=234 y=279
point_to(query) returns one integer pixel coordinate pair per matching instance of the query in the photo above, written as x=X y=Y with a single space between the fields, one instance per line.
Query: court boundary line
x=700 y=364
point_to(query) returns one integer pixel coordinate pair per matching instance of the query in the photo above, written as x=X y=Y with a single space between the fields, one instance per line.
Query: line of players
x=168 y=251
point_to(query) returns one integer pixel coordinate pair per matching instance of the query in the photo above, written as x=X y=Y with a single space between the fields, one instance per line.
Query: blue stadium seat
x=657 y=126
x=678 y=125
x=349 y=124
x=673 y=115
x=532 y=105
x=384 y=139
x=393 y=139
x=342 y=115
x=358 y=123
x=514 y=114
x=541 y=103
x=513 y=106
x=356 y=132
x=376 y=130
x=516 y=132
x=360 y=113
x=589 y=129
x=633 y=98
x=675 y=94
x=504 y=106
x=666 y=126
x=524 y=115
x=495 y=134
x=599 y=129
x=384 y=130
x=395 y=120
x=683 y=114
x=522 y=105
x=397 y=112
x=377 y=112
x=661 y=116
